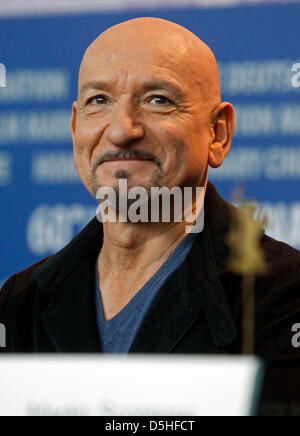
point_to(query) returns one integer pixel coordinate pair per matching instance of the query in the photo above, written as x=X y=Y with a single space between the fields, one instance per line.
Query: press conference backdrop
x=43 y=204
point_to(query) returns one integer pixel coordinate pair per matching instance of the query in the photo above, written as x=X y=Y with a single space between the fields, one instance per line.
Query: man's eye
x=98 y=100
x=160 y=100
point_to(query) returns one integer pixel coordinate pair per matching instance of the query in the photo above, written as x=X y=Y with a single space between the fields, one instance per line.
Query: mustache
x=127 y=155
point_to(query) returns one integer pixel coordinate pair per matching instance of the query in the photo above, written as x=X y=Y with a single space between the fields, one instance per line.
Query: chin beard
x=155 y=181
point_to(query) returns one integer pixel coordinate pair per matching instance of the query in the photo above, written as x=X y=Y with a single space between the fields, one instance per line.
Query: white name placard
x=139 y=385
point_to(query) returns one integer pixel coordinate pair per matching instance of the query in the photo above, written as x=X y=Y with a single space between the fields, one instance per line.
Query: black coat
x=49 y=307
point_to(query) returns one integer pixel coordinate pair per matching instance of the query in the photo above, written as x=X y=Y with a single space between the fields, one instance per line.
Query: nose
x=123 y=128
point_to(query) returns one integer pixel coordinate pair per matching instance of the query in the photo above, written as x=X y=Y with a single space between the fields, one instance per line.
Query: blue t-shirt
x=117 y=334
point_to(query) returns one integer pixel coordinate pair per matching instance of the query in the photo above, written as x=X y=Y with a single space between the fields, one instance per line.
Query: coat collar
x=70 y=317
x=67 y=279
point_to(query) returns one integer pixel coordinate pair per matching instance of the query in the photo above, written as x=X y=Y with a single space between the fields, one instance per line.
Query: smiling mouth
x=124 y=159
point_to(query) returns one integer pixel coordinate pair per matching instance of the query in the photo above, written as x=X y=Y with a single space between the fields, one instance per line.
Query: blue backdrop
x=42 y=201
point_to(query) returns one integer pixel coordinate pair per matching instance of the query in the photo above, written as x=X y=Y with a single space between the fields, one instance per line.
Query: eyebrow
x=162 y=84
x=104 y=86
x=148 y=86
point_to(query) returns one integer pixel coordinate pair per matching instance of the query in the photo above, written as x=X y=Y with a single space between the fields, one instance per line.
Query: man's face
x=141 y=115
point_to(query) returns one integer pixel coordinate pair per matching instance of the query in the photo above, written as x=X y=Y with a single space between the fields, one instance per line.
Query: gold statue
x=247 y=259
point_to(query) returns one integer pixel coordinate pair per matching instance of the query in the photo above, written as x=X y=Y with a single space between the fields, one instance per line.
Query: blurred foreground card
x=140 y=385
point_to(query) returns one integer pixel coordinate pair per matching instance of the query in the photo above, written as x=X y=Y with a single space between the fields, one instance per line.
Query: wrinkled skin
x=158 y=103
x=177 y=130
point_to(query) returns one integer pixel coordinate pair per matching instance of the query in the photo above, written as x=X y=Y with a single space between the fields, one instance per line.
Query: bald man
x=149 y=113
x=143 y=94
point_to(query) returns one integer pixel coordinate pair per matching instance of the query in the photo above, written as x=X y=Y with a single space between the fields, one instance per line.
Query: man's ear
x=223 y=127
x=73 y=119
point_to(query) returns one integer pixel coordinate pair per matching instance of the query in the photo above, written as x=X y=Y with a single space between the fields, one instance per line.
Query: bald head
x=160 y=43
x=149 y=88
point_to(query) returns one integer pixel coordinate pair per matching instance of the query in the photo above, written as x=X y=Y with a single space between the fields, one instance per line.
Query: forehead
x=139 y=46
x=137 y=58
x=130 y=80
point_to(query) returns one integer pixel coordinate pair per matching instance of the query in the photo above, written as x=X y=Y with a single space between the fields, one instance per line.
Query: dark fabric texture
x=117 y=334
x=50 y=306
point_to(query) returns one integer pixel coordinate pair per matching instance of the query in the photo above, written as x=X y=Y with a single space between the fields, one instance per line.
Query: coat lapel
x=175 y=308
x=67 y=279
x=194 y=291
x=204 y=269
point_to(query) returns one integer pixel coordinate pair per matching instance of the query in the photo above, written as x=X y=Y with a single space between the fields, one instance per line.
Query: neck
x=137 y=248
x=131 y=254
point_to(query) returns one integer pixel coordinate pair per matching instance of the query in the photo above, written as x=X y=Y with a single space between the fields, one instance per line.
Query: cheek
x=176 y=148
x=186 y=154
x=177 y=158
x=86 y=139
